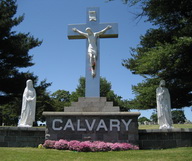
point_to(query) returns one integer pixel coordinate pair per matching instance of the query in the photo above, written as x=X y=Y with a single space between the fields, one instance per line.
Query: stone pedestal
x=93 y=126
x=92 y=119
x=88 y=104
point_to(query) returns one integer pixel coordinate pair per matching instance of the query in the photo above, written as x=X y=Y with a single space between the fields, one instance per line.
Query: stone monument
x=28 y=106
x=96 y=30
x=92 y=117
x=163 y=107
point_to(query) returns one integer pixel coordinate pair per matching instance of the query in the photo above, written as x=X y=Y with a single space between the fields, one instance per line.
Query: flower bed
x=88 y=146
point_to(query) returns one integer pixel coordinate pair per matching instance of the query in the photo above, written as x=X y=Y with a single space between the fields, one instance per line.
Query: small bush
x=87 y=146
x=61 y=145
x=49 y=144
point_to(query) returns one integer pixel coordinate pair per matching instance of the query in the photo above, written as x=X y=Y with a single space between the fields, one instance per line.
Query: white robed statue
x=92 y=45
x=163 y=107
x=28 y=106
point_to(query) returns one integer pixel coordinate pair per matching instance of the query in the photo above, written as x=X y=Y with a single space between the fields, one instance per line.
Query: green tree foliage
x=9 y=112
x=14 y=48
x=105 y=87
x=164 y=53
x=61 y=99
x=153 y=117
x=178 y=116
x=80 y=90
x=105 y=91
x=143 y=119
x=44 y=101
x=14 y=55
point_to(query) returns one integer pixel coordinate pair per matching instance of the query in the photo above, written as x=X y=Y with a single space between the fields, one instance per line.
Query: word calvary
x=87 y=125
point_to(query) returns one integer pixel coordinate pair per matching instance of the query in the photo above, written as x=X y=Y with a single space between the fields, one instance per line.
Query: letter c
x=53 y=124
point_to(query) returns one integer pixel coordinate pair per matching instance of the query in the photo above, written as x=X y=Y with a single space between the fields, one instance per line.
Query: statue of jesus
x=92 y=45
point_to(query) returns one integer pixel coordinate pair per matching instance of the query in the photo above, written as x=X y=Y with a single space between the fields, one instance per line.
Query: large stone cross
x=92 y=31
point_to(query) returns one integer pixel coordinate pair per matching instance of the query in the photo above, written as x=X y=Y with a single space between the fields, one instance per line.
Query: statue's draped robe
x=164 y=108
x=28 y=106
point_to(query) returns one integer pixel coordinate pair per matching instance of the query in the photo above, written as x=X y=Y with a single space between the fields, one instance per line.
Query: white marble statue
x=28 y=106
x=92 y=45
x=163 y=107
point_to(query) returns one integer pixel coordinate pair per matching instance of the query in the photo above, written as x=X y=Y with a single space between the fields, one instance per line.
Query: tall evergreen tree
x=14 y=53
x=164 y=53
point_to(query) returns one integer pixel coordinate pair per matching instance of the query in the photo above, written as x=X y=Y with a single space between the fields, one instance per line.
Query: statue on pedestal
x=28 y=106
x=163 y=107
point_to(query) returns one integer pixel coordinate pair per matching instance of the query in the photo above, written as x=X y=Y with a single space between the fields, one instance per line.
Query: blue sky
x=62 y=61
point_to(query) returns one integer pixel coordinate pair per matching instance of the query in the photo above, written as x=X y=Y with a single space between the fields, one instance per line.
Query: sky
x=62 y=61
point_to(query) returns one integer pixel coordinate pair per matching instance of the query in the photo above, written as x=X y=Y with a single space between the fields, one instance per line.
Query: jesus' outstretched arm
x=80 y=32
x=103 y=31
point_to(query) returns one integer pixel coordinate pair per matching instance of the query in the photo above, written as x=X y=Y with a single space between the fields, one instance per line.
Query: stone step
x=85 y=104
x=88 y=104
x=92 y=99
x=92 y=109
x=109 y=104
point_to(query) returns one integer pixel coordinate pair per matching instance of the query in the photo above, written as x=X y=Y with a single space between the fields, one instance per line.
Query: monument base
x=92 y=119
x=92 y=104
x=92 y=126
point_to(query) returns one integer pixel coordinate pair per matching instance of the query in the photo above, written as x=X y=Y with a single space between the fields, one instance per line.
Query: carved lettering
x=78 y=126
x=54 y=122
x=101 y=125
x=126 y=124
x=69 y=124
x=90 y=125
x=114 y=123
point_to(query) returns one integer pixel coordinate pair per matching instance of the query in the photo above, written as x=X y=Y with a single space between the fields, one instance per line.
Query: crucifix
x=92 y=31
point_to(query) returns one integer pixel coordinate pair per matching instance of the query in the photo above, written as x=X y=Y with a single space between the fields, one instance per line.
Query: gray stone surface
x=100 y=126
x=21 y=137
x=165 y=138
x=88 y=104
x=148 y=139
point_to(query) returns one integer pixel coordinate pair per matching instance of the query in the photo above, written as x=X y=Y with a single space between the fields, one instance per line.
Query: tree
x=9 y=112
x=14 y=48
x=178 y=116
x=105 y=91
x=14 y=54
x=80 y=90
x=153 y=117
x=44 y=101
x=105 y=87
x=164 y=53
x=61 y=99
x=143 y=119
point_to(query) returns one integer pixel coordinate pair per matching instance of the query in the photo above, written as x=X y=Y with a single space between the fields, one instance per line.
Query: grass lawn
x=157 y=126
x=35 y=154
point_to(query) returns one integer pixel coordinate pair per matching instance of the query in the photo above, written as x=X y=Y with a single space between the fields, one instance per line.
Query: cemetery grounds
x=35 y=154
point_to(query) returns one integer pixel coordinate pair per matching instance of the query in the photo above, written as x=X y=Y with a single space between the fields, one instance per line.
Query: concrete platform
x=93 y=119
x=93 y=126
x=165 y=138
x=88 y=104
